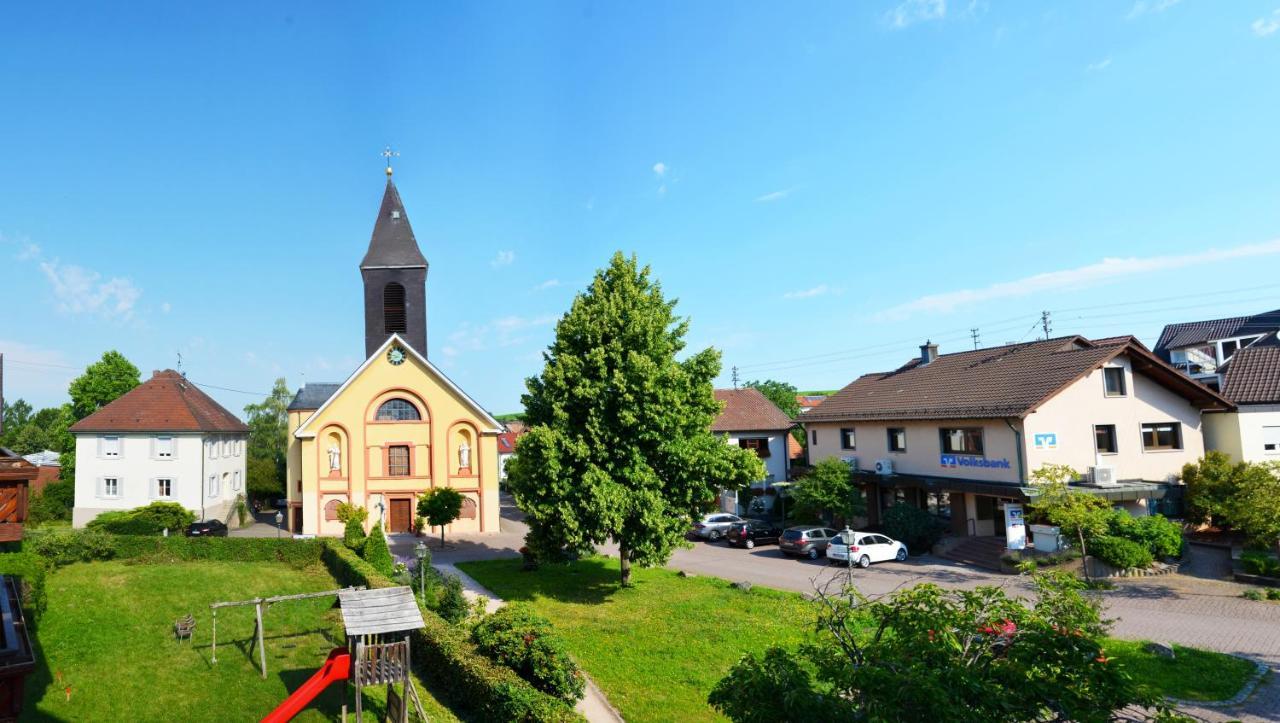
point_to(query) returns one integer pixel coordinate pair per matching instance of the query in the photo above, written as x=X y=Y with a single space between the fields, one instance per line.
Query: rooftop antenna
x=974 y=333
x=735 y=376
x=1044 y=322
x=180 y=364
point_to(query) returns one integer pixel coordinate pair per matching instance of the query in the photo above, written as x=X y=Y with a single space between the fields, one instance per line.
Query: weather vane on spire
x=388 y=154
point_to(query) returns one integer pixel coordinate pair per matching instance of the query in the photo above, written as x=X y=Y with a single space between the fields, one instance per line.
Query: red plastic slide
x=337 y=667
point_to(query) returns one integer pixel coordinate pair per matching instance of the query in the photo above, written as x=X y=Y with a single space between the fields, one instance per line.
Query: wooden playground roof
x=383 y=610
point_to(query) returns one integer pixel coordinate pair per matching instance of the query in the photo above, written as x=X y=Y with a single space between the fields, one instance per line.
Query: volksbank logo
x=956 y=460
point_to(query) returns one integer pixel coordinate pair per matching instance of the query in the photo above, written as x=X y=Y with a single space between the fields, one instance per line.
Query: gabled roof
x=1002 y=382
x=166 y=402
x=495 y=426
x=1253 y=374
x=312 y=395
x=1176 y=336
x=808 y=401
x=747 y=410
x=392 y=244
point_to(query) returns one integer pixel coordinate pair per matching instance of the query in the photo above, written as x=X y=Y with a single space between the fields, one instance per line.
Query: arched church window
x=397 y=410
x=393 y=314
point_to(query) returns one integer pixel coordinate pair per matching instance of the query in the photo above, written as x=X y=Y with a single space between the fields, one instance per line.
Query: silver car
x=713 y=526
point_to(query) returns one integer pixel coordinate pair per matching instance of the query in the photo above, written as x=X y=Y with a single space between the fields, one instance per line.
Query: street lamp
x=420 y=552
x=279 y=523
x=847 y=534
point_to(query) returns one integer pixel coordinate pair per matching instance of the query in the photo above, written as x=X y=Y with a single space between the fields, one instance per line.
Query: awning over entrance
x=1119 y=492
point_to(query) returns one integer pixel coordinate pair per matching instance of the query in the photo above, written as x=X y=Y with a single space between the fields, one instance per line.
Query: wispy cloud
x=548 y=284
x=910 y=12
x=774 y=196
x=83 y=291
x=1267 y=24
x=1099 y=66
x=660 y=169
x=504 y=258
x=166 y=307
x=1150 y=7
x=818 y=290
x=507 y=331
x=1083 y=276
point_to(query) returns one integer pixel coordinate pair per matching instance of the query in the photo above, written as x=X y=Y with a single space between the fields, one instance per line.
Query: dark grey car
x=810 y=541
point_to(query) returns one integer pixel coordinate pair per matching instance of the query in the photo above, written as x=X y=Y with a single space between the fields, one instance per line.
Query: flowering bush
x=524 y=641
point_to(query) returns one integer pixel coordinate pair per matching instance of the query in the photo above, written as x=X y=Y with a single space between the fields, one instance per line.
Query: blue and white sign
x=960 y=460
x=1045 y=440
x=1015 y=528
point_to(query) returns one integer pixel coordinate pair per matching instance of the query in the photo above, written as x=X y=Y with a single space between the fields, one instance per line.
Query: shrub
x=522 y=640
x=31 y=570
x=376 y=552
x=1253 y=593
x=348 y=512
x=353 y=535
x=1160 y=535
x=446 y=653
x=452 y=604
x=912 y=526
x=1273 y=593
x=63 y=547
x=1119 y=553
x=153 y=519
x=53 y=503
x=762 y=690
x=1260 y=563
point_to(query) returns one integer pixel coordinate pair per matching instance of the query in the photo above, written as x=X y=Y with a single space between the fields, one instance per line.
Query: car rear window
x=792 y=535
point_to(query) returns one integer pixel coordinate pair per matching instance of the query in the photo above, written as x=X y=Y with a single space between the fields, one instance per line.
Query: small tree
x=1079 y=514
x=352 y=517
x=377 y=553
x=440 y=506
x=1212 y=484
x=1255 y=510
x=829 y=488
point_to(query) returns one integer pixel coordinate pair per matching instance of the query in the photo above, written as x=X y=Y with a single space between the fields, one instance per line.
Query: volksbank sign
x=957 y=460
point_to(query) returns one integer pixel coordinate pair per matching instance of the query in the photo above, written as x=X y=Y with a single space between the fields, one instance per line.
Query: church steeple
x=395 y=278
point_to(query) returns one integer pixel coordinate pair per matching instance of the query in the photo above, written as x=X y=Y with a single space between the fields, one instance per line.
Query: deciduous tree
x=1079 y=514
x=1255 y=510
x=103 y=382
x=829 y=488
x=268 y=423
x=620 y=444
x=1212 y=484
x=440 y=506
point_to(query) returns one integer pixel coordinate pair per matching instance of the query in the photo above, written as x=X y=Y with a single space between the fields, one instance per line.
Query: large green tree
x=268 y=423
x=1212 y=484
x=1255 y=510
x=15 y=416
x=620 y=445
x=103 y=382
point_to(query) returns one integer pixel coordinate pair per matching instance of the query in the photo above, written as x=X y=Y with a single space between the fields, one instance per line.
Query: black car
x=209 y=528
x=750 y=533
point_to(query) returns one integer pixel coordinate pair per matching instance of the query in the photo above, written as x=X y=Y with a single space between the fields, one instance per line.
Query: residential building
x=809 y=401
x=397 y=426
x=1203 y=348
x=164 y=440
x=1251 y=380
x=960 y=434
x=749 y=420
x=512 y=431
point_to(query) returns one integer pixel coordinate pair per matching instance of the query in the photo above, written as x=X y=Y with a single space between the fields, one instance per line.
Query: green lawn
x=107 y=635
x=660 y=647
x=1192 y=675
x=655 y=649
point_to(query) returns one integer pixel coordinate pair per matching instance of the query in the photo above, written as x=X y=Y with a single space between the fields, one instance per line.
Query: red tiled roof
x=747 y=410
x=795 y=450
x=167 y=402
x=809 y=400
x=1001 y=382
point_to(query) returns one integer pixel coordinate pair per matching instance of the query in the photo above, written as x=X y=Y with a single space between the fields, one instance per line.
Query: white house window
x=111 y=447
x=1113 y=381
x=110 y=487
x=164 y=447
x=164 y=488
x=213 y=485
x=235 y=481
x=1271 y=440
x=226 y=448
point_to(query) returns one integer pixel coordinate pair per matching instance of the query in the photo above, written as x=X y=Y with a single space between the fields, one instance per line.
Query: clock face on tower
x=396 y=355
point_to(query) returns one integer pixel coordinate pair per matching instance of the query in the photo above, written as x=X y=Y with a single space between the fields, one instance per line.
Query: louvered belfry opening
x=393 y=311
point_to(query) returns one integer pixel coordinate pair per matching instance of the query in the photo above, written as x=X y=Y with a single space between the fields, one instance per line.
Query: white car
x=867 y=547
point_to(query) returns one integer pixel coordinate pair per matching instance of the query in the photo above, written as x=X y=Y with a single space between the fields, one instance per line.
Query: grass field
x=662 y=645
x=107 y=637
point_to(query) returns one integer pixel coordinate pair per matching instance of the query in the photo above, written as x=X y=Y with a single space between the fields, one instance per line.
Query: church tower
x=395 y=279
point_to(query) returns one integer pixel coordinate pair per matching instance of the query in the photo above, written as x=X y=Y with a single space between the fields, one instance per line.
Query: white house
x=163 y=441
x=1204 y=349
x=1250 y=433
x=749 y=420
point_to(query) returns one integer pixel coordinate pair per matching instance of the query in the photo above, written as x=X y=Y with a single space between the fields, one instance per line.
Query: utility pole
x=974 y=333
x=1044 y=322
x=735 y=376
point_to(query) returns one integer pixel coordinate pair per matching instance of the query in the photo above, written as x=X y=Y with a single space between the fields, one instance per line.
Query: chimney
x=928 y=352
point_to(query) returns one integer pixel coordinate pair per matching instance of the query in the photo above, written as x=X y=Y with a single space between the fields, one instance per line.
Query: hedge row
x=445 y=654
x=63 y=547
x=32 y=569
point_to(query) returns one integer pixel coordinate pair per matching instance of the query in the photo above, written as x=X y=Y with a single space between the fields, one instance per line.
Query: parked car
x=867 y=547
x=810 y=541
x=209 y=528
x=750 y=533
x=713 y=526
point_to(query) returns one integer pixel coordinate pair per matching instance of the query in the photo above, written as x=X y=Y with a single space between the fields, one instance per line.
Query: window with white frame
x=164 y=447
x=109 y=487
x=1271 y=440
x=111 y=447
x=226 y=448
x=213 y=485
x=163 y=488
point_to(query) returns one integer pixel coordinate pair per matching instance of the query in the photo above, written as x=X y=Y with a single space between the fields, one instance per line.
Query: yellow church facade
x=397 y=427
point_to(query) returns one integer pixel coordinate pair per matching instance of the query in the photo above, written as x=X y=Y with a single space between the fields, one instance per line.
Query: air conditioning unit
x=884 y=466
x=851 y=461
x=1102 y=476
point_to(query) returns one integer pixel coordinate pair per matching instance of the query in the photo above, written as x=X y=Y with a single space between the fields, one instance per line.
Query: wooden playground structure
x=378 y=624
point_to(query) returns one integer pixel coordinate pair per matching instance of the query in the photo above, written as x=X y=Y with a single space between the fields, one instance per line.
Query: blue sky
x=822 y=189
